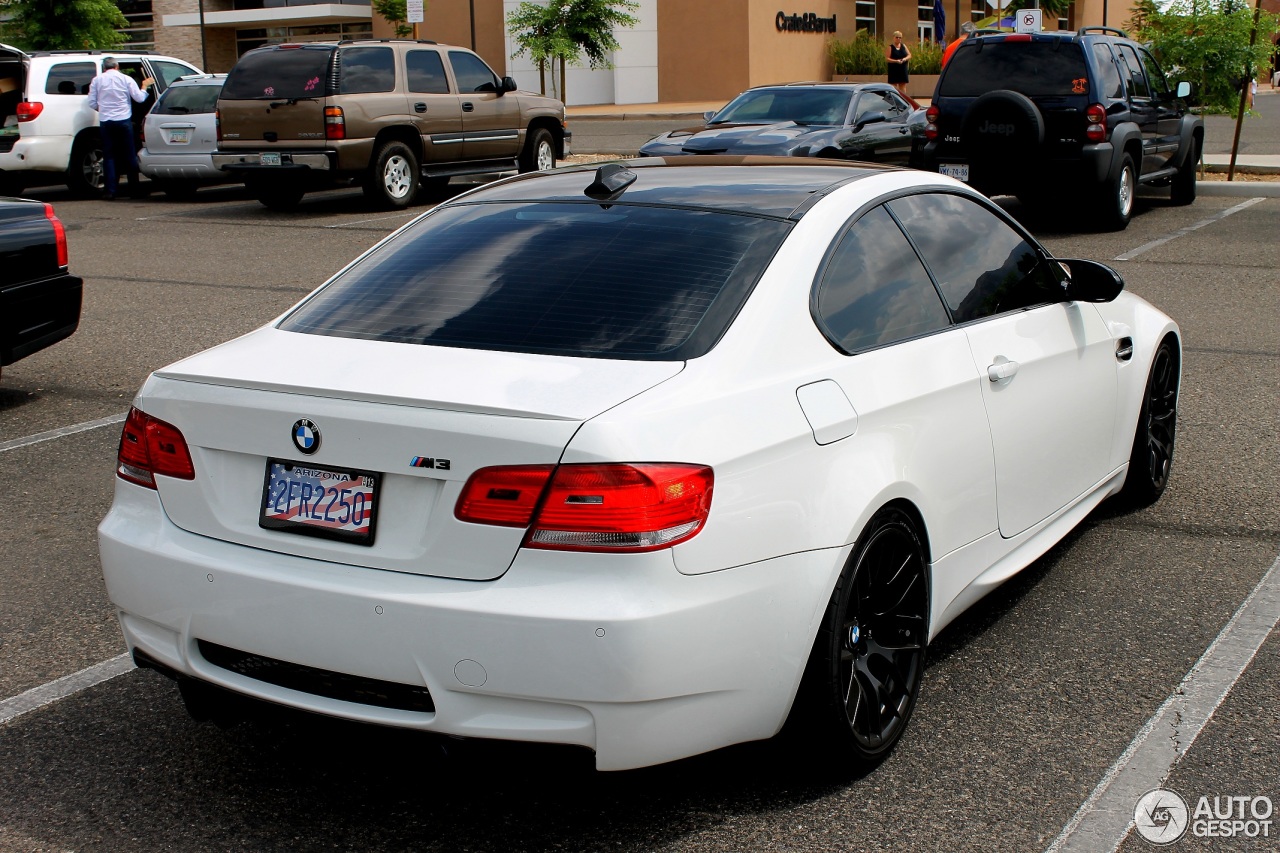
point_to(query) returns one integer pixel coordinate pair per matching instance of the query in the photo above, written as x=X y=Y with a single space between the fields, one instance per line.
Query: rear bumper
x=620 y=653
x=180 y=167
x=35 y=315
x=296 y=161
x=1082 y=172
x=38 y=154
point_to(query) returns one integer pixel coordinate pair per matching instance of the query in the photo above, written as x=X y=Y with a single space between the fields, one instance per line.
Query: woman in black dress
x=898 y=57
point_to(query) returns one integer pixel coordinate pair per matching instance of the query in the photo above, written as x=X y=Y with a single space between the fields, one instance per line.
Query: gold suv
x=395 y=115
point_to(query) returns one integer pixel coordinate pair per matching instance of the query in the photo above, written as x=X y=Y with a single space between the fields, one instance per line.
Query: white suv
x=47 y=131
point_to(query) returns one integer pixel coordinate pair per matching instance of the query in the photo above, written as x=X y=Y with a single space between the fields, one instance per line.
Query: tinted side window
x=367 y=69
x=70 y=78
x=611 y=281
x=426 y=72
x=982 y=265
x=471 y=72
x=874 y=290
x=871 y=102
x=1137 y=80
x=1109 y=76
x=1154 y=75
x=166 y=72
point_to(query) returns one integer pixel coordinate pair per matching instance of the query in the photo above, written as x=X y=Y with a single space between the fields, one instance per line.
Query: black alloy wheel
x=1152 y=457
x=865 y=671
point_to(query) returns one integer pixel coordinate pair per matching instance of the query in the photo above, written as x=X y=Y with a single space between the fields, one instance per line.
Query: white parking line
x=1106 y=817
x=375 y=219
x=38 y=697
x=49 y=435
x=1147 y=247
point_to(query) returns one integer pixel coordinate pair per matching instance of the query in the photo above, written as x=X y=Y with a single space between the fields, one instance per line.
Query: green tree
x=61 y=24
x=1206 y=43
x=397 y=13
x=565 y=30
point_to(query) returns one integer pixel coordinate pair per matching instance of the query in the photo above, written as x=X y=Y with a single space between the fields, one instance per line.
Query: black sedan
x=847 y=121
x=39 y=299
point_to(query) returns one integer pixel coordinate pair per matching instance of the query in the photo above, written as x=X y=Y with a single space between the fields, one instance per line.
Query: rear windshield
x=574 y=279
x=1034 y=68
x=273 y=73
x=188 y=100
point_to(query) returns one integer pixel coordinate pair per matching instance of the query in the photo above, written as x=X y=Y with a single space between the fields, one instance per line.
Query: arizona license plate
x=180 y=137
x=335 y=503
x=959 y=171
x=269 y=159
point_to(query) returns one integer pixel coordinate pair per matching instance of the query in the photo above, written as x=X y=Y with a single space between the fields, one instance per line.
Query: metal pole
x=204 y=49
x=1244 y=91
x=473 y=24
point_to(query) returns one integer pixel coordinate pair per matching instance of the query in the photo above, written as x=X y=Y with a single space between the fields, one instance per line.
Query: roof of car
x=822 y=84
x=783 y=187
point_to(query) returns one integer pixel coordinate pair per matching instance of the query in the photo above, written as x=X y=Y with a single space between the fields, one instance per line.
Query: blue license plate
x=316 y=500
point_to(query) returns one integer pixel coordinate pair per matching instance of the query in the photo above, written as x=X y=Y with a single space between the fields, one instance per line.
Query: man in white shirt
x=112 y=94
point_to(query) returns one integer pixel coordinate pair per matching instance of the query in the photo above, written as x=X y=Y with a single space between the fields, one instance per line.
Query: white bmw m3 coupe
x=649 y=459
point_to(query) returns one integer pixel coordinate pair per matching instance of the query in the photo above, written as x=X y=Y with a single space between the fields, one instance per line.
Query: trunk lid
x=421 y=419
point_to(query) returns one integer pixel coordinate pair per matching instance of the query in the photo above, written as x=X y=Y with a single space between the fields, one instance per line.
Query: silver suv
x=47 y=131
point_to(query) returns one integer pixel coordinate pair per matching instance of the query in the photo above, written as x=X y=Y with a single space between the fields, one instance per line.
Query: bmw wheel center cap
x=306 y=436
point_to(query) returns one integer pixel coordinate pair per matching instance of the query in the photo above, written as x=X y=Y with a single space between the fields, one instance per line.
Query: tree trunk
x=542 y=75
x=563 y=96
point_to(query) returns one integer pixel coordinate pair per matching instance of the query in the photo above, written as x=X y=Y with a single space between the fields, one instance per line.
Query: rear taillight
x=59 y=233
x=149 y=446
x=217 y=124
x=335 y=125
x=609 y=508
x=931 y=116
x=29 y=110
x=1096 y=128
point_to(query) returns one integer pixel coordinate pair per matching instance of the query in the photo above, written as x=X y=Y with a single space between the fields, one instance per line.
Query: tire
x=277 y=196
x=1183 y=188
x=539 y=152
x=393 y=177
x=870 y=646
x=1151 y=459
x=1002 y=127
x=1117 y=196
x=85 y=176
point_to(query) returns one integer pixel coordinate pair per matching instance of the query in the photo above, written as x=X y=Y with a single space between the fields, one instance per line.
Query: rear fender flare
x=1191 y=132
x=1126 y=138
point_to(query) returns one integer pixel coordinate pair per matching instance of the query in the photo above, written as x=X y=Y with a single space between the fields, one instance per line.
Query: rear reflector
x=149 y=446
x=608 y=508
x=59 y=233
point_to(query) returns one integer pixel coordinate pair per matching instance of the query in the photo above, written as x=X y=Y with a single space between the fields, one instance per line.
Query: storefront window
x=865 y=16
x=138 y=33
x=924 y=20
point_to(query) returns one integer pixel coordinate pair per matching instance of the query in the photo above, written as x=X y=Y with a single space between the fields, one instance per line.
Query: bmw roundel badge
x=306 y=436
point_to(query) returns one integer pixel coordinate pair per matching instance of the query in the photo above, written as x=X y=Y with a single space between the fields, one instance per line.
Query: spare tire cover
x=1002 y=124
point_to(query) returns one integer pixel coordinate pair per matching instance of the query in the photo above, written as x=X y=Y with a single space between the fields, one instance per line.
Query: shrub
x=864 y=54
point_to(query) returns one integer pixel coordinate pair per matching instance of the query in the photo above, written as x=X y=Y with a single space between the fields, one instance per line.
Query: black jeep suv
x=1056 y=116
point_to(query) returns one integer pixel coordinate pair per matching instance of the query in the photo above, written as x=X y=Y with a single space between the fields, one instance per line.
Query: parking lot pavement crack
x=298 y=289
x=1251 y=534
x=1242 y=353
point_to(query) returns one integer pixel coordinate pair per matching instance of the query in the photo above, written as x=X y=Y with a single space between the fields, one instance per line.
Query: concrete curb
x=1239 y=189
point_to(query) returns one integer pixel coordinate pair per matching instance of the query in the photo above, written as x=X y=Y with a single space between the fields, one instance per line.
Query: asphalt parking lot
x=1030 y=700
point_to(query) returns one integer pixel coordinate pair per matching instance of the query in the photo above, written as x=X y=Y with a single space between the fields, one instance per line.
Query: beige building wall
x=702 y=49
x=450 y=23
x=785 y=57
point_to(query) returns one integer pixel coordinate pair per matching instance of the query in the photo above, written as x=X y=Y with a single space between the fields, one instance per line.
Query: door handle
x=467 y=106
x=420 y=107
x=1002 y=370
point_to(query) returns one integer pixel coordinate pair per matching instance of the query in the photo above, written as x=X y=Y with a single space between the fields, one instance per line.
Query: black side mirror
x=1090 y=281
x=508 y=85
x=872 y=118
